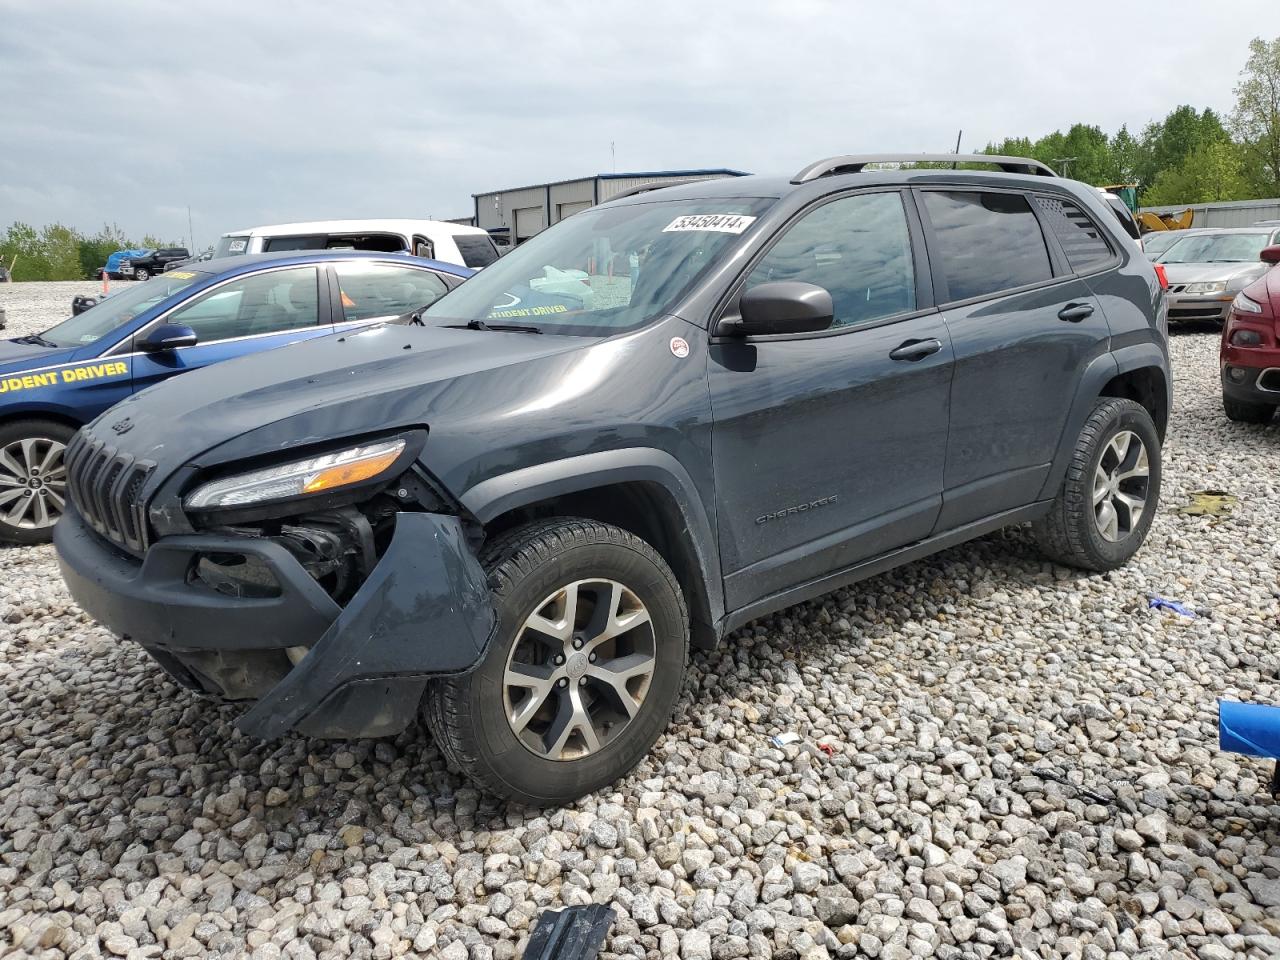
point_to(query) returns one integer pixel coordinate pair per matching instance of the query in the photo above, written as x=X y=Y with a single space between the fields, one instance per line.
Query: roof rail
x=854 y=163
x=658 y=185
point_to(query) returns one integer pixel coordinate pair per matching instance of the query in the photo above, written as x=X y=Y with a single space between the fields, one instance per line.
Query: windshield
x=1216 y=248
x=604 y=270
x=1158 y=241
x=119 y=308
x=231 y=247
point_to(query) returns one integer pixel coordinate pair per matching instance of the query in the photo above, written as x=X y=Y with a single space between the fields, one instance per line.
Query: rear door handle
x=914 y=350
x=1075 y=312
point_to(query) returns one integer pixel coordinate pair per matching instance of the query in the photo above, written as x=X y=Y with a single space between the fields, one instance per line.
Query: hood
x=1266 y=291
x=19 y=356
x=1210 y=272
x=337 y=386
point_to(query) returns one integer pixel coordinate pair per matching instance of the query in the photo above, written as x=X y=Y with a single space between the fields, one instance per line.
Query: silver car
x=1207 y=269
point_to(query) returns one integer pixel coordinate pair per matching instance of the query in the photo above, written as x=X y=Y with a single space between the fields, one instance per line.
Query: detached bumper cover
x=424 y=611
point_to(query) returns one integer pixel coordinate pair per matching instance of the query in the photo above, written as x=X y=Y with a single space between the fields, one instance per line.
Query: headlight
x=1242 y=304
x=1215 y=286
x=329 y=471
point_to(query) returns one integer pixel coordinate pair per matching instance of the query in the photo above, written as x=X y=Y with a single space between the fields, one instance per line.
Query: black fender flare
x=1101 y=371
x=497 y=495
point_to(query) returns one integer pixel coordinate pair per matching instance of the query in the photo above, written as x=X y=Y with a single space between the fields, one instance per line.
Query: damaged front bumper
x=325 y=670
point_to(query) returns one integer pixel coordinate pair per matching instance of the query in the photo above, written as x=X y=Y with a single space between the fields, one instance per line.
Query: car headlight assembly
x=1207 y=286
x=1242 y=304
x=323 y=473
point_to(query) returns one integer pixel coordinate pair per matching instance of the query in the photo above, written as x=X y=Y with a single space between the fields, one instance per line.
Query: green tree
x=21 y=248
x=1213 y=172
x=1255 y=121
x=61 y=247
x=1125 y=156
x=1167 y=143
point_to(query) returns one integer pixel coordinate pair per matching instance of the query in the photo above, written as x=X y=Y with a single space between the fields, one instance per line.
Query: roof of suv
x=862 y=169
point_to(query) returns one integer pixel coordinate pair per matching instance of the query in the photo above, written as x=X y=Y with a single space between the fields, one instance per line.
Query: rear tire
x=1109 y=496
x=33 y=479
x=1242 y=411
x=604 y=603
x=141 y=273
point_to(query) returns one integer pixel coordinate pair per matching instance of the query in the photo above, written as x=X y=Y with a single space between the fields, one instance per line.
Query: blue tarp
x=113 y=261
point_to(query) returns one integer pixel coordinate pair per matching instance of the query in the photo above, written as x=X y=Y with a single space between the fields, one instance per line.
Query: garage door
x=528 y=222
x=569 y=209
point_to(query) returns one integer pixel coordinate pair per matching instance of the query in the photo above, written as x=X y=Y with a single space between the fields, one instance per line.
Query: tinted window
x=987 y=242
x=263 y=303
x=1081 y=240
x=376 y=291
x=477 y=251
x=858 y=248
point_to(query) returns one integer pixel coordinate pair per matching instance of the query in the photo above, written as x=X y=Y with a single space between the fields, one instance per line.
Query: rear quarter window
x=1082 y=240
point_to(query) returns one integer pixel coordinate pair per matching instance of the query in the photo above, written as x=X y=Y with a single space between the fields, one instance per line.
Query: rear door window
x=477 y=251
x=986 y=242
x=382 y=291
x=1082 y=241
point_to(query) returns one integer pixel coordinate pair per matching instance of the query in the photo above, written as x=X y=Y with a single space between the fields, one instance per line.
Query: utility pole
x=957 y=150
x=191 y=237
x=613 y=155
x=1066 y=163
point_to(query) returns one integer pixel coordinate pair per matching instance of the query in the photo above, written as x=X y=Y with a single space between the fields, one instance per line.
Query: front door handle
x=1075 y=312
x=914 y=350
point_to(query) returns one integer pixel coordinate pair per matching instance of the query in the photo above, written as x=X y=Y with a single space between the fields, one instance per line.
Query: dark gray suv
x=651 y=423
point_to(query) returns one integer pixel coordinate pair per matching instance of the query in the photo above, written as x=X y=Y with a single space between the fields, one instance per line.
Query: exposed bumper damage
x=326 y=670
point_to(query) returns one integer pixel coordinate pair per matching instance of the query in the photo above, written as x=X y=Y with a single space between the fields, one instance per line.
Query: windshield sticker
x=709 y=222
x=539 y=311
x=32 y=381
x=237 y=246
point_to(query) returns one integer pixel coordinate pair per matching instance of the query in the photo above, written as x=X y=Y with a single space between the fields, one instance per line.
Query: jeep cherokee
x=655 y=421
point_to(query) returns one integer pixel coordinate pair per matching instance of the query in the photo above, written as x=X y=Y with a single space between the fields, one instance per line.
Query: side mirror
x=1270 y=254
x=783 y=306
x=167 y=336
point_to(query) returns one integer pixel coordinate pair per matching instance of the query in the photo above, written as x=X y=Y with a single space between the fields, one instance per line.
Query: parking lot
x=994 y=755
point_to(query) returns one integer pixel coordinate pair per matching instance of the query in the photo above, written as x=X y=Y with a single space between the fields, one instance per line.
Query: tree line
x=1191 y=156
x=59 y=252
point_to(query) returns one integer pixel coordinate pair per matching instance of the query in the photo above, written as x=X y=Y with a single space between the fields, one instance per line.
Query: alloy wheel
x=33 y=482
x=1120 y=486
x=579 y=669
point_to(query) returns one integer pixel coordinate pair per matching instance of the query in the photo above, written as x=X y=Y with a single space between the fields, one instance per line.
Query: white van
x=433 y=239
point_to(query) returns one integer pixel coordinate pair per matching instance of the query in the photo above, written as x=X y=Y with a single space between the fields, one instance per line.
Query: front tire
x=582 y=673
x=1241 y=411
x=141 y=273
x=33 y=479
x=1109 y=496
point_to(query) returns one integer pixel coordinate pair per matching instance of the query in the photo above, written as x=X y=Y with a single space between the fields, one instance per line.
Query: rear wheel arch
x=1147 y=386
x=651 y=503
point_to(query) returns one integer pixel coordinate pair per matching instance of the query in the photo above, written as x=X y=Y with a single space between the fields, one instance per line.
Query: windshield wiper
x=36 y=340
x=504 y=327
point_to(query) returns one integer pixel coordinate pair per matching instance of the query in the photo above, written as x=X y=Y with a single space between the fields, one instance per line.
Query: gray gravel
x=998 y=757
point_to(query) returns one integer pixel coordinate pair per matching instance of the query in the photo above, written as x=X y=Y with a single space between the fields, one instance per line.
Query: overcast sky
x=281 y=110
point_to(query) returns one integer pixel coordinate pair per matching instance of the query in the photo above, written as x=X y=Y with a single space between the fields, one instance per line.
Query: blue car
x=53 y=382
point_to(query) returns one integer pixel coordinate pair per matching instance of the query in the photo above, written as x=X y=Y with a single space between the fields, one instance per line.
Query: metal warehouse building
x=1229 y=213
x=521 y=212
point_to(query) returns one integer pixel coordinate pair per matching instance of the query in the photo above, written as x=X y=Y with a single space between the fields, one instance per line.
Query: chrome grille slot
x=106 y=487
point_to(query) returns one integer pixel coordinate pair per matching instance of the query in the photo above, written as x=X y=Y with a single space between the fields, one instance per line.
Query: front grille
x=1195 y=313
x=105 y=485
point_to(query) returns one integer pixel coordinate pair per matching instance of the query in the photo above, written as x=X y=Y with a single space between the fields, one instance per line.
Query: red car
x=1250 y=352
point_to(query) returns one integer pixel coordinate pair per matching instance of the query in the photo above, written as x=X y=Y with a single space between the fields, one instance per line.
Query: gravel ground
x=998 y=757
